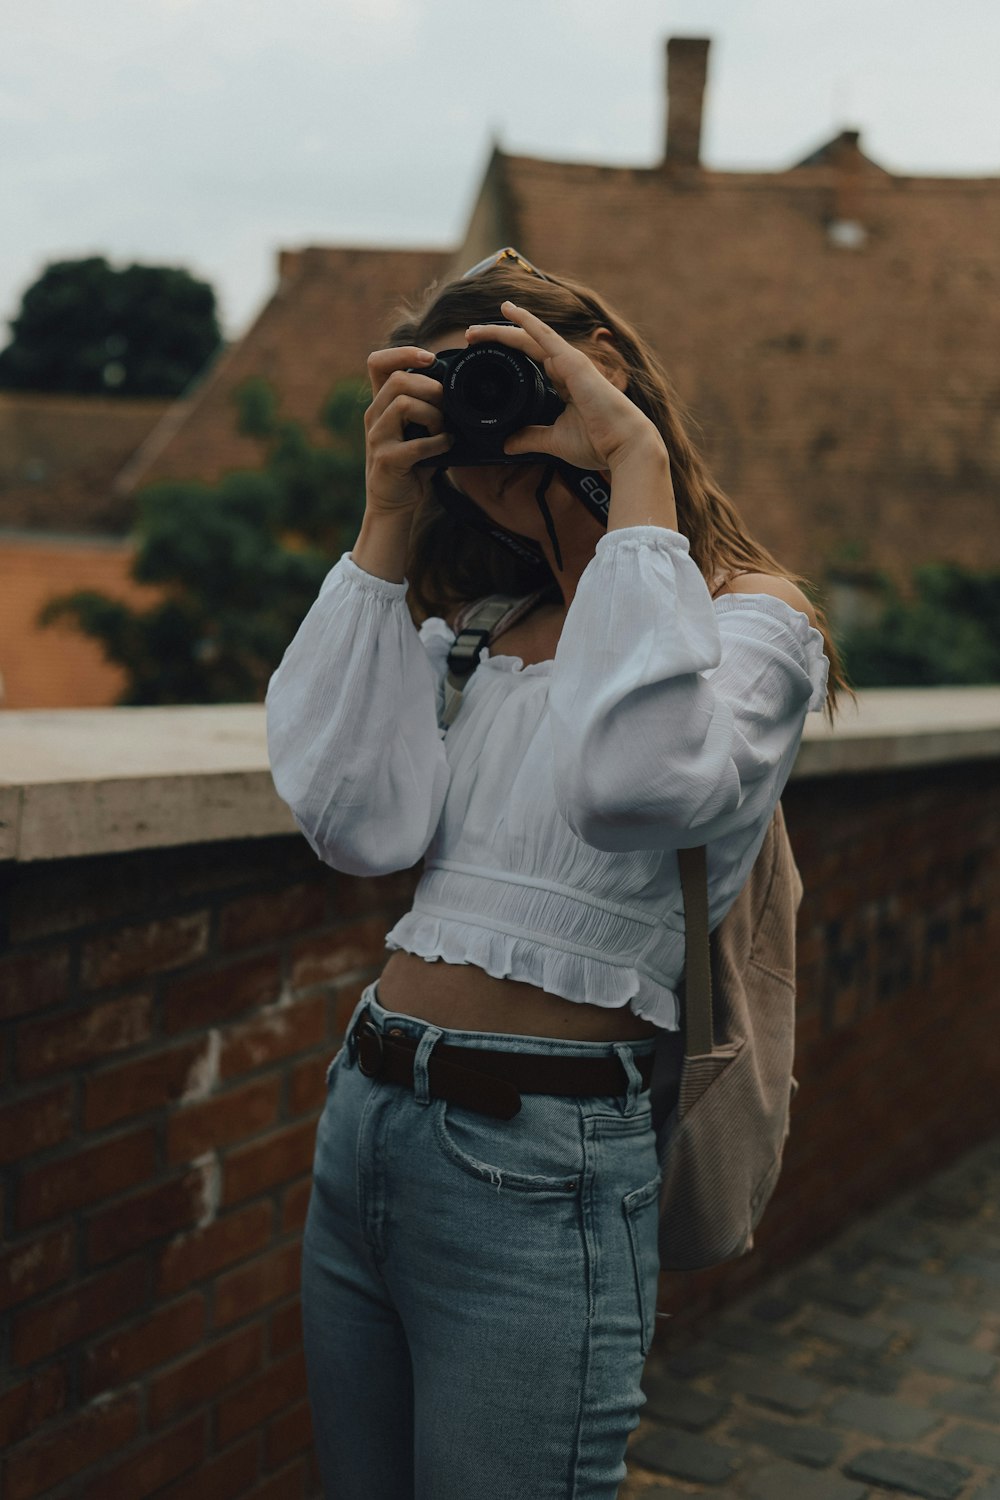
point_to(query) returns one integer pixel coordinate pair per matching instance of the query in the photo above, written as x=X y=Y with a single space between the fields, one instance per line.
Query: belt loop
x=421 y=1084
x=623 y=1052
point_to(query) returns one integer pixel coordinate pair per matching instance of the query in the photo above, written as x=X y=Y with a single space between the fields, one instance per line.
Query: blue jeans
x=478 y=1294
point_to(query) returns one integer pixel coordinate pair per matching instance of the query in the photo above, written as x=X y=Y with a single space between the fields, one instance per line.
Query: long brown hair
x=450 y=563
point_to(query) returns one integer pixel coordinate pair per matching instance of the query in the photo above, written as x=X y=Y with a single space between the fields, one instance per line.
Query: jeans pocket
x=503 y=1152
x=642 y=1215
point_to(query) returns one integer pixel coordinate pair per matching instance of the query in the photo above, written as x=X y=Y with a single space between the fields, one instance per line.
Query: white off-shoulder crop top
x=550 y=811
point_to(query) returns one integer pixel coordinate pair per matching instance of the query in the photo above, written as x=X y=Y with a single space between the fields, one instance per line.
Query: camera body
x=490 y=391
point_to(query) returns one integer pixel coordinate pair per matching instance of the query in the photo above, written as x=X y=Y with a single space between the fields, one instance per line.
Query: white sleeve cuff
x=382 y=588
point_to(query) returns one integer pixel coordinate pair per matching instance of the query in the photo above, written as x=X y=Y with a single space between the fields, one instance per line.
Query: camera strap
x=588 y=485
x=550 y=525
x=462 y=509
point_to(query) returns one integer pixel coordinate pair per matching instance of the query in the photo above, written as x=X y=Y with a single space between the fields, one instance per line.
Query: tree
x=87 y=328
x=241 y=561
x=947 y=632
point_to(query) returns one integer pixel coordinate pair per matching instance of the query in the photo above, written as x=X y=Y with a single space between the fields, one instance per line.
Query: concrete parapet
x=75 y=782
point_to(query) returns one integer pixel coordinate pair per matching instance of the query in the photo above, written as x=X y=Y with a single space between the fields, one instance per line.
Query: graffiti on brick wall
x=902 y=939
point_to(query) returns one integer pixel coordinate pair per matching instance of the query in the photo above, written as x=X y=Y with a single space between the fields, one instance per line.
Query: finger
x=561 y=360
x=402 y=456
x=532 y=440
x=404 y=409
x=550 y=342
x=402 y=383
x=518 y=338
x=513 y=338
x=383 y=362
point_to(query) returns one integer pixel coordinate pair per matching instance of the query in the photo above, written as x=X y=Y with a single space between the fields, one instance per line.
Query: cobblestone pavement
x=871 y=1369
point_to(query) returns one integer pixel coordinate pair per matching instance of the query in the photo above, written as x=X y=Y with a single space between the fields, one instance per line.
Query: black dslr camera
x=490 y=391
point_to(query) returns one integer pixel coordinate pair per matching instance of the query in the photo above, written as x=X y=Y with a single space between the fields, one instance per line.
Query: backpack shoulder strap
x=698 y=1036
x=761 y=925
x=478 y=624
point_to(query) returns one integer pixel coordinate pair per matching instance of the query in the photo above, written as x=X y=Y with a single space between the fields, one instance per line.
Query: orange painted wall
x=58 y=667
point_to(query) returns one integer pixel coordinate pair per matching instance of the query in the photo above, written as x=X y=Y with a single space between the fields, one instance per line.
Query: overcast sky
x=209 y=133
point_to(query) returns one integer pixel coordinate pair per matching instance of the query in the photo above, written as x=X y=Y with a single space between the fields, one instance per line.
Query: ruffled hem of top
x=810 y=639
x=569 y=975
x=438 y=638
x=435 y=629
x=514 y=664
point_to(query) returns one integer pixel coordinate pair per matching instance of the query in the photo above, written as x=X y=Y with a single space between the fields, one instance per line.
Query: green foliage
x=257 y=408
x=85 y=327
x=948 y=632
x=241 y=560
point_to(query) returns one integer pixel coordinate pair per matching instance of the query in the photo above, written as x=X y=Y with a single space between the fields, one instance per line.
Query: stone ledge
x=104 y=780
x=895 y=728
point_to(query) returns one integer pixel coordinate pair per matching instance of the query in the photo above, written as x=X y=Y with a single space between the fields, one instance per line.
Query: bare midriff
x=463 y=997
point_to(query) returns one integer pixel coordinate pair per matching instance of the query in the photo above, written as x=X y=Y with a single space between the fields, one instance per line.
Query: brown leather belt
x=489 y=1082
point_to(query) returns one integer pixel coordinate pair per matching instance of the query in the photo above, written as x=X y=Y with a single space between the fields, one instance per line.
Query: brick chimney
x=687 y=67
x=289 y=266
x=845 y=227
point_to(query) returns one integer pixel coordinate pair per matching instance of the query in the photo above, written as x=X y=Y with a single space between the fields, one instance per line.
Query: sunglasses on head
x=499 y=258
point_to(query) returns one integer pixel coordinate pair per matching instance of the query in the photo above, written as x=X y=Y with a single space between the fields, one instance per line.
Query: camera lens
x=493 y=389
x=488 y=391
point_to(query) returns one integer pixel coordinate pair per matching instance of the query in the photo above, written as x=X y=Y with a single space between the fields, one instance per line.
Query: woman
x=479 y=1260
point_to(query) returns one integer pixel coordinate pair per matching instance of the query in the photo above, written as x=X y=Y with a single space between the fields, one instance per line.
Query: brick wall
x=166 y=1018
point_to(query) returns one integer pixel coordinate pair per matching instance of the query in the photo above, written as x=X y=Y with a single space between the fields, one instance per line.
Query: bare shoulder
x=770 y=583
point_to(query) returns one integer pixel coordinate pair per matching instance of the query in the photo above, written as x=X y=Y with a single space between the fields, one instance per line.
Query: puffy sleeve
x=352 y=725
x=675 y=719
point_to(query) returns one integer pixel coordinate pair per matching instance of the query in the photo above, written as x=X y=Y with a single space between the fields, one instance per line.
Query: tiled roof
x=316 y=329
x=831 y=326
x=840 y=149
x=847 y=398
x=59 y=455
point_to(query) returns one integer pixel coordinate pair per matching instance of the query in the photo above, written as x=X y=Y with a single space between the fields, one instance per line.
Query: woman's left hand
x=600 y=427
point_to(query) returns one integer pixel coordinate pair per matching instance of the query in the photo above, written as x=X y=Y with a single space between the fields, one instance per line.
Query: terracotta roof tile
x=59 y=455
x=846 y=398
x=832 y=328
x=317 y=328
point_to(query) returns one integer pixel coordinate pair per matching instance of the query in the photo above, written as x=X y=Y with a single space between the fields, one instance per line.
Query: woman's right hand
x=393 y=485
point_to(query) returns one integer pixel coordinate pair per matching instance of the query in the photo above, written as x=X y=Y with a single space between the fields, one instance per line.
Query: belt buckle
x=369 y=1048
x=352 y=1036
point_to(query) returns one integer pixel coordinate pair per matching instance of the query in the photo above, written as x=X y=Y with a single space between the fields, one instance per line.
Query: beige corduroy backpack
x=721 y=1109
x=721 y=1135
